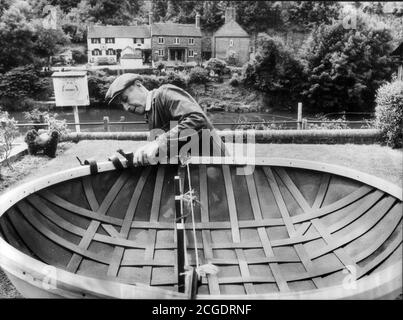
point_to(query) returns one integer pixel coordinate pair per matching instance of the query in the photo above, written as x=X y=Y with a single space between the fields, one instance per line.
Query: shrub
x=22 y=82
x=234 y=80
x=79 y=57
x=346 y=66
x=54 y=124
x=160 y=65
x=217 y=65
x=8 y=132
x=176 y=78
x=389 y=113
x=98 y=84
x=198 y=75
x=275 y=69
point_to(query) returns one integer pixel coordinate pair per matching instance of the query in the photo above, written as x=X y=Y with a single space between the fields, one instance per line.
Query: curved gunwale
x=16 y=262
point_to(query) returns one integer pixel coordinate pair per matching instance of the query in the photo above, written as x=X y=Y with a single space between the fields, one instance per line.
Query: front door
x=177 y=55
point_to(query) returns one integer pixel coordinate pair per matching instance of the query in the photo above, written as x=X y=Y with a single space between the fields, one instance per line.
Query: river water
x=88 y=114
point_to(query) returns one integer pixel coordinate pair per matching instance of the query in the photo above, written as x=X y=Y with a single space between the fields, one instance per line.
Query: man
x=162 y=106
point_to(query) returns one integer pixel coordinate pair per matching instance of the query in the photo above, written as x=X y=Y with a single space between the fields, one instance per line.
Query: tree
x=47 y=42
x=346 y=66
x=16 y=37
x=111 y=11
x=309 y=14
x=274 y=70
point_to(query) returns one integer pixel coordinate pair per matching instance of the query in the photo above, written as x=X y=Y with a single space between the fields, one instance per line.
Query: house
x=176 y=44
x=108 y=44
x=398 y=54
x=231 y=42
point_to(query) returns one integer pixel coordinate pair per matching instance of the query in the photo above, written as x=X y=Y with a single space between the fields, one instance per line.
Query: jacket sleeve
x=180 y=106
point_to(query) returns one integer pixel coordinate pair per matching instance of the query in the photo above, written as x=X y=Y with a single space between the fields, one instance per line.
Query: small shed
x=398 y=54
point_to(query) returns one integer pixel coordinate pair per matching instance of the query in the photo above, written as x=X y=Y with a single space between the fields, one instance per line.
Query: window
x=191 y=41
x=176 y=41
x=109 y=40
x=95 y=40
x=190 y=53
x=251 y=49
x=96 y=52
x=161 y=40
x=160 y=52
x=110 y=52
x=138 y=40
x=231 y=43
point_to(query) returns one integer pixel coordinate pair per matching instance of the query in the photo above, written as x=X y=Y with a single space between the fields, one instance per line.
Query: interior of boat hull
x=277 y=230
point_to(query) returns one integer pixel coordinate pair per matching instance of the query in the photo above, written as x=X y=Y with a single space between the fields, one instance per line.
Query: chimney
x=150 y=18
x=229 y=14
x=198 y=21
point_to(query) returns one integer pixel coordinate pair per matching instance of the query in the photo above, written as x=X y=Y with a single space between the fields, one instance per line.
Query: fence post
x=122 y=119
x=106 y=124
x=299 y=116
x=304 y=123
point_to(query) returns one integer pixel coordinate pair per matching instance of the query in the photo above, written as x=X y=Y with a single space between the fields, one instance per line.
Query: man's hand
x=147 y=154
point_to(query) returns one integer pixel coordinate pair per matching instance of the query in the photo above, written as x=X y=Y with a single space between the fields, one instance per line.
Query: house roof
x=142 y=31
x=175 y=29
x=231 y=29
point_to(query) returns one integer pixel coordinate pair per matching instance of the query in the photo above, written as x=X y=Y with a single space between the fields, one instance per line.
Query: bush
x=275 y=69
x=79 y=57
x=160 y=65
x=198 y=75
x=38 y=116
x=98 y=84
x=8 y=132
x=234 y=80
x=389 y=113
x=217 y=65
x=346 y=66
x=22 y=82
x=175 y=78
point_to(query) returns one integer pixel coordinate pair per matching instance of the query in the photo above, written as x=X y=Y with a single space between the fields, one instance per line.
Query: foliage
x=54 y=124
x=8 y=132
x=346 y=66
x=389 y=113
x=334 y=124
x=235 y=80
x=23 y=82
x=275 y=70
x=198 y=75
x=98 y=84
x=176 y=78
x=217 y=65
x=160 y=65
x=309 y=14
x=79 y=57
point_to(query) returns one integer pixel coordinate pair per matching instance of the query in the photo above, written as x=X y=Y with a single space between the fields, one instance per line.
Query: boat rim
x=68 y=284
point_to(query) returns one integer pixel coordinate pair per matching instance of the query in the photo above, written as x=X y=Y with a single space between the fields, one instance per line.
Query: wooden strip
x=375 y=215
x=257 y=213
x=257 y=260
x=181 y=252
x=59 y=240
x=323 y=186
x=381 y=257
x=76 y=209
x=299 y=248
x=149 y=254
x=231 y=204
x=118 y=252
x=213 y=285
x=243 y=266
x=89 y=193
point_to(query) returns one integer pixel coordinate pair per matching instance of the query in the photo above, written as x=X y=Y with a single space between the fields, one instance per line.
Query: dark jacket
x=171 y=103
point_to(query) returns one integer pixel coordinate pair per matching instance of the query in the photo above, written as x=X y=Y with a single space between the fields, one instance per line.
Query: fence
x=123 y=125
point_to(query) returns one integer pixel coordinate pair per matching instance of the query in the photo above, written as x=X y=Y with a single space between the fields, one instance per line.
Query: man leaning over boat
x=175 y=119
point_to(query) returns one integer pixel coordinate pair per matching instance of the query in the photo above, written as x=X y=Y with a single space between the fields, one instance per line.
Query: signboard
x=71 y=88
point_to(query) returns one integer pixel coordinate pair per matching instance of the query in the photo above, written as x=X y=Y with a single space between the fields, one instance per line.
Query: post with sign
x=71 y=89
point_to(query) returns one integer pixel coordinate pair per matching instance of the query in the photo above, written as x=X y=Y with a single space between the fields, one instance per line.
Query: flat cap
x=120 y=84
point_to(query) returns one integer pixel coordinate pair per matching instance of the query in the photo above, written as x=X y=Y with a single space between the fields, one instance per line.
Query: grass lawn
x=379 y=161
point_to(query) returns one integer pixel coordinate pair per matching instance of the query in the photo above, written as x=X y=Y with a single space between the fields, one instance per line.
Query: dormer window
x=161 y=40
x=95 y=40
x=191 y=41
x=176 y=41
x=109 y=40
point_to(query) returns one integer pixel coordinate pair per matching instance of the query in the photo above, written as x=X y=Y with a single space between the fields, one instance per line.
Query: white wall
x=131 y=63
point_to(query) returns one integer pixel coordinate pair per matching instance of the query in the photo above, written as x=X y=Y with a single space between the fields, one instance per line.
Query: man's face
x=133 y=99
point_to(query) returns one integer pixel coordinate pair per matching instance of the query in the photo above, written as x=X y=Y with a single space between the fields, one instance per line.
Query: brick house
x=106 y=44
x=176 y=44
x=231 y=42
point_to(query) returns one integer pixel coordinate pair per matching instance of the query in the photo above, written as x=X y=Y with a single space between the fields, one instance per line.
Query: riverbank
x=382 y=162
